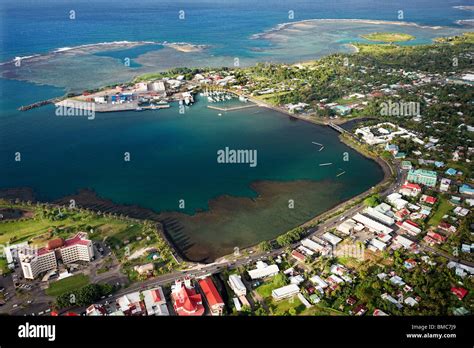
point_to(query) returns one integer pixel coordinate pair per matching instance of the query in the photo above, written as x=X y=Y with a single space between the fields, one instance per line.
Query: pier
x=231 y=109
x=39 y=104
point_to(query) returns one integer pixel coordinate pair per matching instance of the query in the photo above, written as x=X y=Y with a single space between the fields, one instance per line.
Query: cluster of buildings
x=384 y=133
x=187 y=298
x=187 y=301
x=35 y=261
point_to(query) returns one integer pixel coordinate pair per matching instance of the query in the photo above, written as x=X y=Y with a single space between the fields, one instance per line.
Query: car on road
x=15 y=305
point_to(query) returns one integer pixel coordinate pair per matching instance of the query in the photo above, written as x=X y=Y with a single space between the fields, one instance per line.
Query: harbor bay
x=173 y=160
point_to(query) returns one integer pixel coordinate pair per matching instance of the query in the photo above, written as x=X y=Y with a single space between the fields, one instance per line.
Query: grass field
x=265 y=290
x=4 y=266
x=388 y=37
x=66 y=285
x=443 y=208
x=38 y=229
x=284 y=306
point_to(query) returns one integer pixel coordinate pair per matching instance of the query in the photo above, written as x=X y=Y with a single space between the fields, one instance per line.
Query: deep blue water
x=31 y=26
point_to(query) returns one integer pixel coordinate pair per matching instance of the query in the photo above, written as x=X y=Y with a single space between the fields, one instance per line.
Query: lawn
x=4 y=266
x=283 y=306
x=66 y=285
x=36 y=229
x=323 y=311
x=265 y=290
x=443 y=208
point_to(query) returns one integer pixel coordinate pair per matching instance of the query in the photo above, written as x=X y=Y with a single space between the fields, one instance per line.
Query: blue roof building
x=451 y=171
x=466 y=189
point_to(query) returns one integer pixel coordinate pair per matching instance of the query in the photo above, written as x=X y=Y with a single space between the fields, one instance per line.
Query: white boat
x=210 y=99
x=325 y=164
x=139 y=109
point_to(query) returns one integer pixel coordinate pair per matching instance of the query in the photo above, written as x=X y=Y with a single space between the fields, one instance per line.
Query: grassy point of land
x=388 y=37
x=67 y=285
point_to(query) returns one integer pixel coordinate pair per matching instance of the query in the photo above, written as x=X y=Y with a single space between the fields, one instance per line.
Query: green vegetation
x=265 y=290
x=462 y=236
x=265 y=246
x=84 y=296
x=67 y=285
x=388 y=37
x=372 y=200
x=443 y=208
x=188 y=74
x=290 y=237
x=4 y=267
x=124 y=236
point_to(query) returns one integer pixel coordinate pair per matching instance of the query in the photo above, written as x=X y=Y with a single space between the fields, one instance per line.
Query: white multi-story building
x=78 y=248
x=34 y=261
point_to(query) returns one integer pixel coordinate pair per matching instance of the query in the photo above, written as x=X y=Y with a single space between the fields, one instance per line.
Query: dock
x=156 y=107
x=232 y=108
x=338 y=175
x=39 y=104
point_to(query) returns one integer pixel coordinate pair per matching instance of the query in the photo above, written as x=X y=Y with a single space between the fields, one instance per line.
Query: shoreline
x=88 y=198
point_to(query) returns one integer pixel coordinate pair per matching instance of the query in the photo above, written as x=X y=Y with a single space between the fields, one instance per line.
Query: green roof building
x=422 y=176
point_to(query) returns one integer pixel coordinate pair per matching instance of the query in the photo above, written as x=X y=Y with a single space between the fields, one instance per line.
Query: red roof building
x=446 y=227
x=437 y=237
x=297 y=255
x=214 y=300
x=412 y=187
x=186 y=301
x=400 y=215
x=459 y=292
x=55 y=243
x=428 y=199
